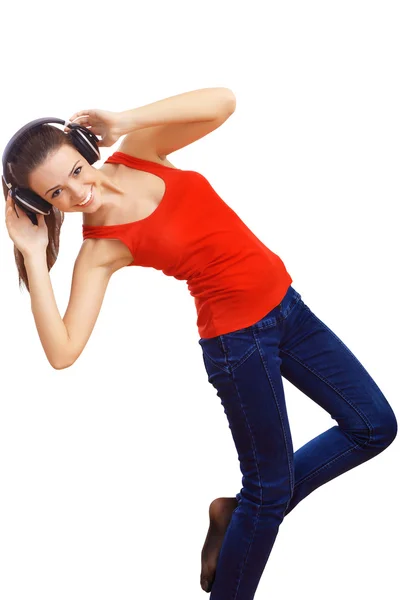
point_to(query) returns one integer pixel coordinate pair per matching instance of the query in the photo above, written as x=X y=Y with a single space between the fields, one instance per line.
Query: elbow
x=65 y=360
x=58 y=366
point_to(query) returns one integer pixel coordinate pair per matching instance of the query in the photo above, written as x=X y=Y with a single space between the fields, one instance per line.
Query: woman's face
x=65 y=179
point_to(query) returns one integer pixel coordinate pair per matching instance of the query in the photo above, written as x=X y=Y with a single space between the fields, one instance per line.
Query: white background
x=107 y=468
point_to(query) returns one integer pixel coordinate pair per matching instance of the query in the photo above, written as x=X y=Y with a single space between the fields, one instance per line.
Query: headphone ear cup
x=28 y=201
x=85 y=142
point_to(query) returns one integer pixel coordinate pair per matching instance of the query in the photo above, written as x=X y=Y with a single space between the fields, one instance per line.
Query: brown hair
x=33 y=149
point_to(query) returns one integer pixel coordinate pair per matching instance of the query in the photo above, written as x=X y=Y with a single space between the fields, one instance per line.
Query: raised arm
x=64 y=339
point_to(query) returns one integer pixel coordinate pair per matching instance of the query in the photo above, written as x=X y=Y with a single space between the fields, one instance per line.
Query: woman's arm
x=198 y=105
x=52 y=331
x=64 y=339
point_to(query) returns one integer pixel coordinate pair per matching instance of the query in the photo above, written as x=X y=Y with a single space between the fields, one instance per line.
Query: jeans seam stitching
x=338 y=391
x=363 y=417
x=224 y=347
x=338 y=339
x=259 y=481
x=290 y=465
x=324 y=466
x=281 y=317
x=222 y=369
x=244 y=358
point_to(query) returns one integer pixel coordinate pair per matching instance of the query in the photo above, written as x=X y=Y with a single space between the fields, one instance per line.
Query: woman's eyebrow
x=56 y=186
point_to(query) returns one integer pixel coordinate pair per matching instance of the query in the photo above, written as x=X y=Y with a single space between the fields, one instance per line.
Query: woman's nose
x=80 y=192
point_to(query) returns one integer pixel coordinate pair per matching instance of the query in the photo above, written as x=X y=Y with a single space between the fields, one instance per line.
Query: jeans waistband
x=280 y=311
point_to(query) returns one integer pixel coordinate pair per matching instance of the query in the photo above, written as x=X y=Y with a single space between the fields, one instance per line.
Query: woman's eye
x=75 y=173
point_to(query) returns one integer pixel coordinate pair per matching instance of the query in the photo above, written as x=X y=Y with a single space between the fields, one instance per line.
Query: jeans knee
x=386 y=431
x=391 y=429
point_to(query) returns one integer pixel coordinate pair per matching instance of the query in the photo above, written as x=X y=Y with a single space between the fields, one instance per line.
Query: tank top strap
x=138 y=163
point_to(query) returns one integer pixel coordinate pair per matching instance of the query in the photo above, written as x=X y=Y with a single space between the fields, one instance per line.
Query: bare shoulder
x=113 y=253
x=144 y=152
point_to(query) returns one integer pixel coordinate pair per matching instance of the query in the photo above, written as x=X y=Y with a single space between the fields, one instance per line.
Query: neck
x=108 y=184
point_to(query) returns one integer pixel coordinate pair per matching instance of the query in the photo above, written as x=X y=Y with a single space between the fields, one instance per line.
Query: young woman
x=139 y=209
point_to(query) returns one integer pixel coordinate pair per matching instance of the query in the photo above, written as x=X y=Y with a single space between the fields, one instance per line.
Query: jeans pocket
x=238 y=346
x=214 y=356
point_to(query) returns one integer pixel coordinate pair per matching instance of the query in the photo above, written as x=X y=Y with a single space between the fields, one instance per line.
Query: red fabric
x=194 y=235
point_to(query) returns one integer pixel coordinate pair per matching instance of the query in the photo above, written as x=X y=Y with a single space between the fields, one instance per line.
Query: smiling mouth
x=87 y=199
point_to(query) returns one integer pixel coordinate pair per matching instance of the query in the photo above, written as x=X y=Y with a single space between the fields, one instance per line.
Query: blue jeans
x=246 y=368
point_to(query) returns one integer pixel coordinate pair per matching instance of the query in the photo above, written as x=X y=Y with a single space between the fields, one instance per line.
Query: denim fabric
x=246 y=368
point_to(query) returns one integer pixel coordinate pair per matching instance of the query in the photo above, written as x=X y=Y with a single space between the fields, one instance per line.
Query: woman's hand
x=28 y=238
x=101 y=122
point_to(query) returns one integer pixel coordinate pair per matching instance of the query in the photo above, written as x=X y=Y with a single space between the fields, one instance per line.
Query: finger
x=84 y=124
x=81 y=118
x=79 y=115
x=84 y=120
x=94 y=129
x=9 y=213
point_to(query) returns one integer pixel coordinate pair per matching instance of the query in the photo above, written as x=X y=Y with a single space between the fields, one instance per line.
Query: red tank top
x=194 y=235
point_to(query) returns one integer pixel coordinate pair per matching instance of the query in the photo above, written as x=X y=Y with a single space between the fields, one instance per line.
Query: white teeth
x=88 y=197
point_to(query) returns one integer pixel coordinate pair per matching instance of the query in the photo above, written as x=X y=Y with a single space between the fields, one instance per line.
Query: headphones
x=82 y=138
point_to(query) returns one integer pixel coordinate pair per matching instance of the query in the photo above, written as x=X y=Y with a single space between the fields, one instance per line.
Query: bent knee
x=390 y=429
x=385 y=431
x=380 y=434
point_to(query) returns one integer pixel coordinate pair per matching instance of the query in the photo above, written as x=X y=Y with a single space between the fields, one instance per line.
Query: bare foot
x=220 y=513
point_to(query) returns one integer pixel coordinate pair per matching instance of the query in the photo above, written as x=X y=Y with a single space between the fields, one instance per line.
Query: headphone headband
x=82 y=138
x=8 y=151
